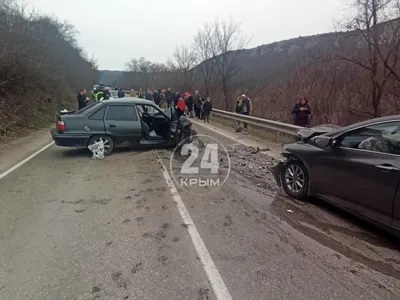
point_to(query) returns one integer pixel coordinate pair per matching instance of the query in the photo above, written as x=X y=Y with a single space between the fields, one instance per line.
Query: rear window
x=98 y=115
x=88 y=108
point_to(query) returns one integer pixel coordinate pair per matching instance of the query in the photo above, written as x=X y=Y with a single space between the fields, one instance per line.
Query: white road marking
x=4 y=174
x=215 y=279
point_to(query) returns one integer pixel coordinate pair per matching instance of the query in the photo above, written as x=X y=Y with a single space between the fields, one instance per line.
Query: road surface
x=76 y=228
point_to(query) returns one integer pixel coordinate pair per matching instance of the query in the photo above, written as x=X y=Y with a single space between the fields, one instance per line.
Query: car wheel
x=295 y=180
x=107 y=140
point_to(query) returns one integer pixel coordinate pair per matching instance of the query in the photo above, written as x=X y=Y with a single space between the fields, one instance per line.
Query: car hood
x=308 y=133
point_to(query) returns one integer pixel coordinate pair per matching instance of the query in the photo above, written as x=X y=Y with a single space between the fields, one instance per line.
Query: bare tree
x=228 y=43
x=379 y=42
x=185 y=59
x=139 y=65
x=204 y=45
x=171 y=66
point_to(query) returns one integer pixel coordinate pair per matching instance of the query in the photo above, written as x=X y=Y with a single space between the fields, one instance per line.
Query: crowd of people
x=194 y=106
x=186 y=104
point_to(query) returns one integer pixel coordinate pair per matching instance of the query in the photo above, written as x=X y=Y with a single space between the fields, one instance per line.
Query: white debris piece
x=97 y=150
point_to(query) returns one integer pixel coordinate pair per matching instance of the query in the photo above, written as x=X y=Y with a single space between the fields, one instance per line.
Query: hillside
x=41 y=69
x=271 y=62
x=325 y=68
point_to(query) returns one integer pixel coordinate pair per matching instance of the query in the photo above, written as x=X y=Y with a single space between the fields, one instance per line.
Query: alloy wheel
x=294 y=178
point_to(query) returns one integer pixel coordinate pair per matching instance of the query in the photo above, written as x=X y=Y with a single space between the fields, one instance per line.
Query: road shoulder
x=14 y=151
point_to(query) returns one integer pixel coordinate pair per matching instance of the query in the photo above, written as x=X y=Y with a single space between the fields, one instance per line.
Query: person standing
x=170 y=97
x=207 y=108
x=82 y=99
x=301 y=113
x=238 y=110
x=157 y=97
x=148 y=95
x=197 y=104
x=106 y=95
x=189 y=104
x=140 y=93
x=181 y=107
x=247 y=109
x=121 y=93
x=176 y=98
x=98 y=94
x=163 y=102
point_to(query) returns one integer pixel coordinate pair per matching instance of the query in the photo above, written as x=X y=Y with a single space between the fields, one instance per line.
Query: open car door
x=156 y=124
x=173 y=132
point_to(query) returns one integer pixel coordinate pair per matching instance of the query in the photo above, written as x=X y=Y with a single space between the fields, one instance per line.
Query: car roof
x=393 y=118
x=375 y=120
x=128 y=100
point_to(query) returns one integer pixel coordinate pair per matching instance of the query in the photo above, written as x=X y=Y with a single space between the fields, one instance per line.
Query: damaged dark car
x=356 y=168
x=125 y=122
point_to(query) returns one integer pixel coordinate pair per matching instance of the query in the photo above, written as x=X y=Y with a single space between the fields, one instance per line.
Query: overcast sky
x=115 y=31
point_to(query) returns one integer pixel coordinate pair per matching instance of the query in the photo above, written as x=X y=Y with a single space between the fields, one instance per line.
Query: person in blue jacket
x=301 y=113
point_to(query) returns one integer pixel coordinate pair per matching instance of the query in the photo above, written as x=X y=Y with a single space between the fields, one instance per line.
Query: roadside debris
x=253 y=163
x=97 y=150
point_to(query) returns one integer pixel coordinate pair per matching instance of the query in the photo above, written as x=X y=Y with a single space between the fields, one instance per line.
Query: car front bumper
x=69 y=140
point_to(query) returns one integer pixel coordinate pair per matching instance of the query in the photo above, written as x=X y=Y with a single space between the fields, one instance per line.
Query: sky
x=115 y=31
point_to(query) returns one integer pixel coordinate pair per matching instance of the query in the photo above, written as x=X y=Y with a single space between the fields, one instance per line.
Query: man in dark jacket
x=156 y=97
x=106 y=94
x=197 y=104
x=247 y=109
x=82 y=99
x=148 y=95
x=176 y=98
x=121 y=93
x=189 y=104
x=170 y=97
x=301 y=113
x=207 y=108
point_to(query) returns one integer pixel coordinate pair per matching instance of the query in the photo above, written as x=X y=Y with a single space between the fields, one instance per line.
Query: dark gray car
x=356 y=168
x=127 y=121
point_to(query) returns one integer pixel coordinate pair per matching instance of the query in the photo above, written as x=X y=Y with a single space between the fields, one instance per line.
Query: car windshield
x=171 y=113
x=149 y=109
x=167 y=112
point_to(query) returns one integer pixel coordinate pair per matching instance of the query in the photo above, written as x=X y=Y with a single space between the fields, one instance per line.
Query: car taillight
x=60 y=126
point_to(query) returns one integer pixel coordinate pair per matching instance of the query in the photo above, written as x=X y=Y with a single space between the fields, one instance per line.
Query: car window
x=87 y=108
x=121 y=113
x=383 y=137
x=98 y=115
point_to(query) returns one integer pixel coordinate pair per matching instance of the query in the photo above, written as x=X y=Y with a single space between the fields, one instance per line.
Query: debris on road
x=254 y=164
x=97 y=150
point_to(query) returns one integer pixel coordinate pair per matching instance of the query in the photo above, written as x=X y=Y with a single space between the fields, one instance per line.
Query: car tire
x=295 y=179
x=107 y=140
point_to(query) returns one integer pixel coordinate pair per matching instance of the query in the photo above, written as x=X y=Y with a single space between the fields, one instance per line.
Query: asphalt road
x=76 y=228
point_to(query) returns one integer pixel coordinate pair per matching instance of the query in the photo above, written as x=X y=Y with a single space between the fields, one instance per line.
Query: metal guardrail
x=275 y=126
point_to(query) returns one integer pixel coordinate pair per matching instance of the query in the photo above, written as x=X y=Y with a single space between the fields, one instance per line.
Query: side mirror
x=323 y=141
